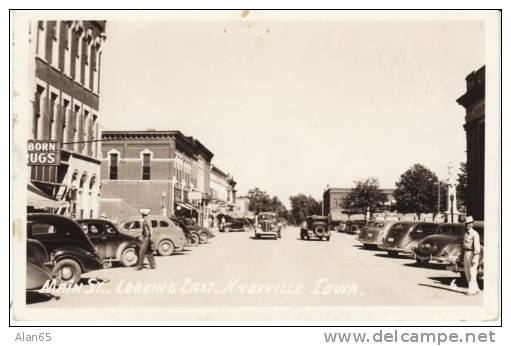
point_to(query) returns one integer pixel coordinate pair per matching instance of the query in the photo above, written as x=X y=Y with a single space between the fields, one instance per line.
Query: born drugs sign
x=43 y=153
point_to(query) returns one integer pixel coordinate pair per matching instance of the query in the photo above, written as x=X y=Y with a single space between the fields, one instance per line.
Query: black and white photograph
x=255 y=165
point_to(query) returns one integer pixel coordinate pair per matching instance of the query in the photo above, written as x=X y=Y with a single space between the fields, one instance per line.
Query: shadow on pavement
x=435 y=266
x=33 y=297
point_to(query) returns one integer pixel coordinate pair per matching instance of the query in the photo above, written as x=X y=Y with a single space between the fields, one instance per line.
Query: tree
x=260 y=201
x=303 y=206
x=462 y=188
x=417 y=191
x=366 y=195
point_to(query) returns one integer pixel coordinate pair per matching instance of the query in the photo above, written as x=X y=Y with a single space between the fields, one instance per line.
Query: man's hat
x=468 y=219
x=144 y=213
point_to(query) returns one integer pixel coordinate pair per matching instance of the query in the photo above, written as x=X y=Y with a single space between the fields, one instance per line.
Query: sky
x=294 y=106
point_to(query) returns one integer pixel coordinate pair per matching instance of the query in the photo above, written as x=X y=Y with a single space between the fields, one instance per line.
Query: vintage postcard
x=255 y=166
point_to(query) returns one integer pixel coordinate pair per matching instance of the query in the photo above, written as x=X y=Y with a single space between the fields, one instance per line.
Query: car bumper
x=272 y=233
x=439 y=260
x=370 y=242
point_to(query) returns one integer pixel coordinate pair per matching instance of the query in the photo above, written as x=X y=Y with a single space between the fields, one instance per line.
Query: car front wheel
x=194 y=237
x=203 y=238
x=67 y=271
x=165 y=248
x=129 y=257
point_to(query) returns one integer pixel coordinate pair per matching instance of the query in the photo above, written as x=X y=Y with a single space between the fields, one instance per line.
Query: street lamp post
x=451 y=197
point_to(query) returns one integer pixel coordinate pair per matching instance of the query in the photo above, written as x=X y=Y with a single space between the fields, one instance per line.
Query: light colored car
x=267 y=225
x=167 y=237
x=404 y=236
x=373 y=235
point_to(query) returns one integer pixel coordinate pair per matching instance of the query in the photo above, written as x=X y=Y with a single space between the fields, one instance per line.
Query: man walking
x=471 y=252
x=146 y=248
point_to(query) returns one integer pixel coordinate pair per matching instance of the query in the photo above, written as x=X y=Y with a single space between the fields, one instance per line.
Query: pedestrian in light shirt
x=471 y=253
x=146 y=248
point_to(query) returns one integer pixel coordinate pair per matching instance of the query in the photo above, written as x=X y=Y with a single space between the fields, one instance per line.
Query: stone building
x=65 y=67
x=473 y=102
x=164 y=172
x=333 y=200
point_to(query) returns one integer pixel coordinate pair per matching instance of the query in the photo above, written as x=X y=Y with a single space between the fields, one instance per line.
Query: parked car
x=111 y=244
x=167 y=237
x=458 y=265
x=202 y=232
x=368 y=224
x=69 y=249
x=404 y=236
x=239 y=224
x=373 y=235
x=445 y=245
x=353 y=227
x=38 y=265
x=316 y=226
x=192 y=237
x=267 y=225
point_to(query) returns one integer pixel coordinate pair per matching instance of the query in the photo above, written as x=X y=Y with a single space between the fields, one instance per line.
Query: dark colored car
x=38 y=265
x=353 y=227
x=239 y=224
x=202 y=232
x=373 y=235
x=404 y=236
x=445 y=245
x=166 y=235
x=110 y=243
x=69 y=248
x=267 y=225
x=458 y=265
x=316 y=226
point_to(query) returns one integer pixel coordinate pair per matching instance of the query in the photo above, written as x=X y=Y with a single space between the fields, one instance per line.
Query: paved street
x=236 y=270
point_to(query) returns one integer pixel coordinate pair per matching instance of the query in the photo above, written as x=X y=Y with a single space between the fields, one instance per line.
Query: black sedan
x=71 y=252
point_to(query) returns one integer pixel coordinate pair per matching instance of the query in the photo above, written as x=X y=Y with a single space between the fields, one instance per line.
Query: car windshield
x=266 y=217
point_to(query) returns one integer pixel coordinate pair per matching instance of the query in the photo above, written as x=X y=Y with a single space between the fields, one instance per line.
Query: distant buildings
x=66 y=67
x=473 y=102
x=163 y=172
x=333 y=201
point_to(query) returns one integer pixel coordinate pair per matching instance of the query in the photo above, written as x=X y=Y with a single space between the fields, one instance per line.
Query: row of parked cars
x=424 y=241
x=62 y=248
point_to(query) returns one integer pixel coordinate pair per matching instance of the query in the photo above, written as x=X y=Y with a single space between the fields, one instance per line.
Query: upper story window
x=55 y=45
x=41 y=40
x=146 y=166
x=114 y=161
x=88 y=62
x=78 y=57
x=67 y=48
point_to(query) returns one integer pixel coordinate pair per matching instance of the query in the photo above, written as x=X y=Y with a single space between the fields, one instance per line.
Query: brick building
x=222 y=192
x=164 y=172
x=333 y=200
x=66 y=65
x=473 y=102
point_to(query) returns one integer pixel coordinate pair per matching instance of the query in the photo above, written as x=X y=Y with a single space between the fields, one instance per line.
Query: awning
x=40 y=200
x=186 y=206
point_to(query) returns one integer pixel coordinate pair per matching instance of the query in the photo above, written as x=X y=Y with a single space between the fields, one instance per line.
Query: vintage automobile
x=167 y=237
x=457 y=265
x=111 y=244
x=38 y=265
x=316 y=226
x=70 y=250
x=267 y=225
x=404 y=236
x=445 y=245
x=196 y=230
x=368 y=224
x=354 y=227
x=192 y=237
x=372 y=236
x=239 y=224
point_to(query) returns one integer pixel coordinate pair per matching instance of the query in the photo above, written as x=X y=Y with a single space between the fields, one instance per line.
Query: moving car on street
x=373 y=235
x=38 y=265
x=239 y=224
x=267 y=225
x=111 y=244
x=167 y=237
x=70 y=250
x=316 y=226
x=404 y=236
x=458 y=265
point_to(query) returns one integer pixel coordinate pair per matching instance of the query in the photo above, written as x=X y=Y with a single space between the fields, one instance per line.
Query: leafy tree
x=303 y=206
x=417 y=191
x=260 y=201
x=365 y=195
x=462 y=188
